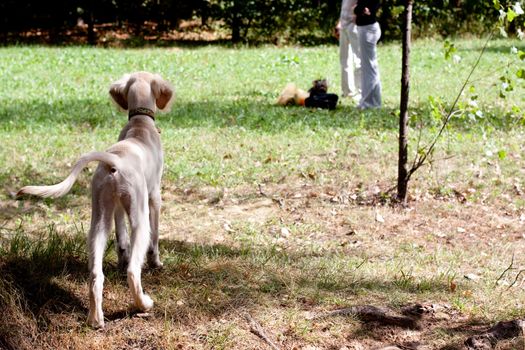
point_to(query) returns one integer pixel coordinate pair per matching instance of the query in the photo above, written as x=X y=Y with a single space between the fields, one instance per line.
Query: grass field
x=281 y=213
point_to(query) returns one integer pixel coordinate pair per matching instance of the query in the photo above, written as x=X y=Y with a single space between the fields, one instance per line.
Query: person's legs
x=355 y=57
x=370 y=80
x=343 y=59
x=347 y=60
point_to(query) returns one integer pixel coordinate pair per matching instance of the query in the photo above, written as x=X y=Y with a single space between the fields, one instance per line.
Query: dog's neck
x=141 y=111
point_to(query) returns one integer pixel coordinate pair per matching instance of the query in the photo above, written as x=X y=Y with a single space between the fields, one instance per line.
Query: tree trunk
x=91 y=36
x=205 y=13
x=236 y=22
x=403 y=174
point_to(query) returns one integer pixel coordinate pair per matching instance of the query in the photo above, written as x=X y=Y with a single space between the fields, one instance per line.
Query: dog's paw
x=146 y=303
x=154 y=261
x=123 y=264
x=94 y=321
x=123 y=259
x=156 y=264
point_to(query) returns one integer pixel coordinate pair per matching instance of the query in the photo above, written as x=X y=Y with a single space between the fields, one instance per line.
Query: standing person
x=368 y=32
x=349 y=51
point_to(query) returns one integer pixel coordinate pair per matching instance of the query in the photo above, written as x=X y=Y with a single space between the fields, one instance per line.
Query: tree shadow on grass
x=86 y=115
x=211 y=280
x=35 y=283
x=242 y=111
x=244 y=276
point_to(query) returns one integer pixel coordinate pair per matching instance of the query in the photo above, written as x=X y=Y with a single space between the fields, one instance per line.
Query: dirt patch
x=340 y=213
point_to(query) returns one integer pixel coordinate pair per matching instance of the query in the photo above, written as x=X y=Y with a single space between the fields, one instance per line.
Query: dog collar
x=141 y=111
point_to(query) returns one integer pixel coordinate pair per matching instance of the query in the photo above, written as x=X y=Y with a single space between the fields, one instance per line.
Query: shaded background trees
x=274 y=21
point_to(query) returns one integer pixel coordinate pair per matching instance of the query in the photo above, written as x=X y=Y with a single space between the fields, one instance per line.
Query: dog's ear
x=119 y=91
x=163 y=93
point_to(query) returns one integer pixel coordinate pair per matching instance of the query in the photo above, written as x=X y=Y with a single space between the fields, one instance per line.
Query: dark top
x=361 y=19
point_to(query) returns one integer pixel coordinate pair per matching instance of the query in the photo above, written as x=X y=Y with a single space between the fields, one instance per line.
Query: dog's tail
x=62 y=188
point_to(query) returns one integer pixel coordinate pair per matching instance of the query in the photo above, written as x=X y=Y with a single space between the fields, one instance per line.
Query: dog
x=319 y=86
x=292 y=95
x=125 y=183
x=316 y=97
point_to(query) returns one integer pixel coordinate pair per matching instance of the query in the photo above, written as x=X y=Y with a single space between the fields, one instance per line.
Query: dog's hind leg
x=122 y=238
x=101 y=222
x=154 y=213
x=140 y=239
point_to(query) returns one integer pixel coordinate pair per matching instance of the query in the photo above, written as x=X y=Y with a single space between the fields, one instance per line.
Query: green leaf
x=502 y=154
x=521 y=55
x=496 y=4
x=521 y=73
x=449 y=49
x=511 y=15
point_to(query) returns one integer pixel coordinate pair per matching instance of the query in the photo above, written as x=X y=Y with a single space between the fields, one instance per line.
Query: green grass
x=224 y=129
x=227 y=248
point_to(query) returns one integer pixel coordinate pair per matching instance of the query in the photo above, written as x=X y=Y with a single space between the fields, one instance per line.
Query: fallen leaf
x=452 y=286
x=379 y=218
x=356 y=244
x=503 y=283
x=472 y=277
x=467 y=293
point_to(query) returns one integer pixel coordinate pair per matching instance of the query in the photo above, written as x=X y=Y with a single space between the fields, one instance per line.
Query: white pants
x=370 y=81
x=350 y=61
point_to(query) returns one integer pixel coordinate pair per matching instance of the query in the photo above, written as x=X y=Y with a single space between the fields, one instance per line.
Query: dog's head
x=142 y=90
x=319 y=86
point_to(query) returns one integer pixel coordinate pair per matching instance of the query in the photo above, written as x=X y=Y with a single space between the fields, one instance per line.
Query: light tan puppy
x=292 y=95
x=126 y=182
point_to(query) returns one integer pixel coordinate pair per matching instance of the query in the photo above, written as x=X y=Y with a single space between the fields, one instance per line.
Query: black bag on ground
x=325 y=101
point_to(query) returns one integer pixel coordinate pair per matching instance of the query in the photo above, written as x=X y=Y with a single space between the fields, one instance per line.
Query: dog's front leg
x=122 y=238
x=154 y=213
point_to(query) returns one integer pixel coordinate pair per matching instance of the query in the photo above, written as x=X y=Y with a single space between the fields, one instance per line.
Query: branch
x=279 y=201
x=420 y=161
x=516 y=279
x=506 y=270
x=257 y=329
